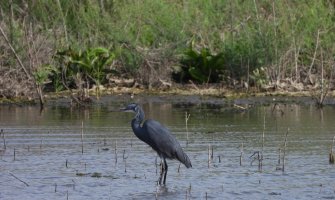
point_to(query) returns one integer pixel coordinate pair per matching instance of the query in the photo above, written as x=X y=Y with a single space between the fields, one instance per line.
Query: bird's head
x=134 y=107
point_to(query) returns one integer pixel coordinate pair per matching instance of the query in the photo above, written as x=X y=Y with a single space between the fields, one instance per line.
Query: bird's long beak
x=125 y=110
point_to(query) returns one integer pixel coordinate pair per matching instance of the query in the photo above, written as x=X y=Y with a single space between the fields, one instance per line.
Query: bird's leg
x=165 y=171
x=161 y=173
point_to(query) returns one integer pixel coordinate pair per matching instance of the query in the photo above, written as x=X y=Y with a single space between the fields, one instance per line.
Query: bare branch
x=14 y=52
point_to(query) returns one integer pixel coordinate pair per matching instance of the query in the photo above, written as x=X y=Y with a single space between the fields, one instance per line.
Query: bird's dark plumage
x=164 y=143
x=158 y=137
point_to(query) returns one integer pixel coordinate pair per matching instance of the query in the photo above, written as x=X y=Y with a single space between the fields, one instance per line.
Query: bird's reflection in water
x=161 y=190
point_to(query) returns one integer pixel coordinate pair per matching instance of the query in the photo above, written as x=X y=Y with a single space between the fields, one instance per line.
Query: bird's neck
x=139 y=117
x=135 y=124
x=137 y=128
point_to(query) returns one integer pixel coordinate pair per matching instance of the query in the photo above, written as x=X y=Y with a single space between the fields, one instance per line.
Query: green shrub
x=248 y=35
x=85 y=67
x=242 y=57
x=202 y=67
x=129 y=60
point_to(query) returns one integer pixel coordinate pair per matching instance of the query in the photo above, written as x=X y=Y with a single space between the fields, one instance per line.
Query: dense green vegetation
x=235 y=43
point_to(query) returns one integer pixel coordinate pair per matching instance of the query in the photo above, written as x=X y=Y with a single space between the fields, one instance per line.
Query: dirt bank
x=191 y=95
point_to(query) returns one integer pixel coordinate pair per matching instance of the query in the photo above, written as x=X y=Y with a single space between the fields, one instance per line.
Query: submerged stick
x=331 y=154
x=260 y=158
x=188 y=192
x=210 y=154
x=124 y=155
x=4 y=139
x=260 y=162
x=82 y=137
x=241 y=155
x=187 y=116
x=115 y=151
x=19 y=179
x=263 y=135
x=125 y=166
x=279 y=156
x=284 y=151
x=74 y=185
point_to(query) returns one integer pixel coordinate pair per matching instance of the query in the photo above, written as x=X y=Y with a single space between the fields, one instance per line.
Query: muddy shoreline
x=185 y=95
x=196 y=96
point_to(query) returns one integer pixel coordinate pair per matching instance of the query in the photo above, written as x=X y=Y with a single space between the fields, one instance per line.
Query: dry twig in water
x=331 y=154
x=284 y=151
x=19 y=179
x=82 y=137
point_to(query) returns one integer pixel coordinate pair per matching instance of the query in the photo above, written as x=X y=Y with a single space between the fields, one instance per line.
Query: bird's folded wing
x=164 y=142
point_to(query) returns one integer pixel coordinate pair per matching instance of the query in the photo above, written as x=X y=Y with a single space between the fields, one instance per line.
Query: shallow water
x=49 y=163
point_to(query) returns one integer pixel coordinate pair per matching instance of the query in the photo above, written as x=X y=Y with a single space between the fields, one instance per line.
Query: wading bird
x=159 y=138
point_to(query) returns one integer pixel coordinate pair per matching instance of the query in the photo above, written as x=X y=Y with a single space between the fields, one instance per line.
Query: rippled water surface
x=49 y=155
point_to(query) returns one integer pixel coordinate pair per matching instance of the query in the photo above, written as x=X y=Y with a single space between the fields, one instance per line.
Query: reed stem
x=331 y=154
x=4 y=139
x=241 y=155
x=284 y=151
x=82 y=137
x=187 y=117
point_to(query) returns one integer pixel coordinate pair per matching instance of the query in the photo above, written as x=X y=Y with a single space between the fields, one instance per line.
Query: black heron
x=159 y=138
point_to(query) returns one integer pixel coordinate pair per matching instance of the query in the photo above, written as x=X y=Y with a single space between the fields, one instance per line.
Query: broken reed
x=284 y=150
x=279 y=156
x=241 y=155
x=17 y=178
x=187 y=117
x=125 y=160
x=263 y=135
x=3 y=138
x=257 y=156
x=210 y=154
x=331 y=154
x=115 y=152
x=189 y=190
x=82 y=137
x=260 y=157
